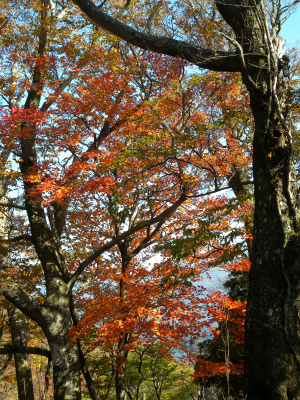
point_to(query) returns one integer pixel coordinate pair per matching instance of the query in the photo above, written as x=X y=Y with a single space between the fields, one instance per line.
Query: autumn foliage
x=134 y=159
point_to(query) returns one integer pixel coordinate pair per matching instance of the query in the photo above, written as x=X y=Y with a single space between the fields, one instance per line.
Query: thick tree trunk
x=22 y=361
x=57 y=321
x=66 y=371
x=272 y=362
x=54 y=317
x=272 y=346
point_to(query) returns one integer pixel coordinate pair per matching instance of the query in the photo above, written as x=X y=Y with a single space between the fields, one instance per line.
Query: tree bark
x=54 y=317
x=22 y=361
x=272 y=348
x=15 y=319
x=123 y=341
x=66 y=371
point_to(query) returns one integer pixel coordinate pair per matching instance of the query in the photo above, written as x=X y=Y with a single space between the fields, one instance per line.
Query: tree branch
x=6 y=364
x=125 y=235
x=9 y=349
x=203 y=58
x=25 y=303
x=147 y=239
x=11 y=205
x=25 y=236
x=63 y=85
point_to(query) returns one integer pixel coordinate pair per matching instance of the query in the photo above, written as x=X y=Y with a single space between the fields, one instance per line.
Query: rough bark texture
x=65 y=354
x=54 y=317
x=272 y=340
x=22 y=361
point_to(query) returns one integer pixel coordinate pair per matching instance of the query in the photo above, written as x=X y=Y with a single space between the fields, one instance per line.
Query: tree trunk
x=15 y=318
x=57 y=321
x=22 y=361
x=66 y=371
x=121 y=370
x=272 y=366
x=272 y=363
x=123 y=341
x=54 y=317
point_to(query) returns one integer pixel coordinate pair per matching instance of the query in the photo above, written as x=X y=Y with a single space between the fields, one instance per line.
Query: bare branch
x=8 y=349
x=204 y=58
x=25 y=303
x=11 y=205
x=21 y=237
x=51 y=99
x=6 y=364
x=146 y=242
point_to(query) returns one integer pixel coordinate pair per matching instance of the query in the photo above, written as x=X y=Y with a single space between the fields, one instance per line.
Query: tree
x=141 y=305
x=253 y=49
x=70 y=226
x=84 y=190
x=32 y=70
x=227 y=343
x=154 y=373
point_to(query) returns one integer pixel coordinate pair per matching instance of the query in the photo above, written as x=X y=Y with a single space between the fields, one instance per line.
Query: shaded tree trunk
x=272 y=348
x=55 y=320
x=15 y=319
x=121 y=370
x=123 y=341
x=65 y=360
x=22 y=361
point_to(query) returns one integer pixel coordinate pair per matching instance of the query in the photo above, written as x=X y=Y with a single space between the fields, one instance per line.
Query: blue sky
x=291 y=28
